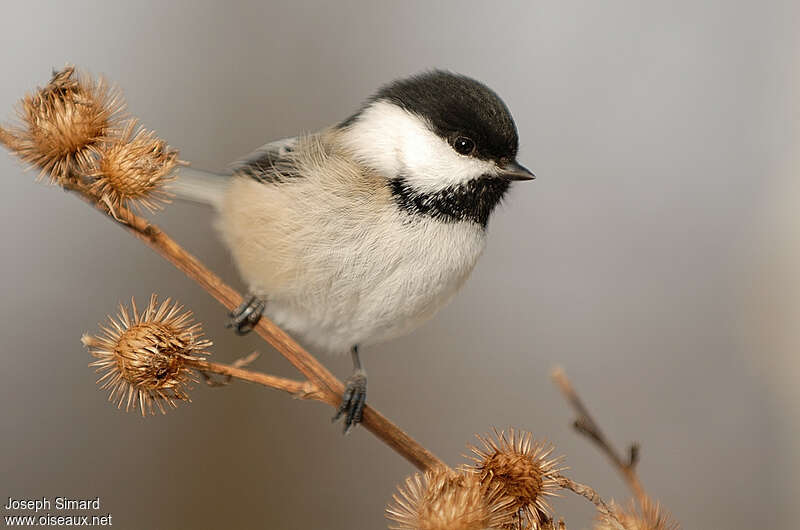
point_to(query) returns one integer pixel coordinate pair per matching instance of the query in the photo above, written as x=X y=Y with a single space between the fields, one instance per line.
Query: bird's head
x=437 y=132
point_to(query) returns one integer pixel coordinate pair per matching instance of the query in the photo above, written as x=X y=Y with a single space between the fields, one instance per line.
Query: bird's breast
x=338 y=259
x=370 y=283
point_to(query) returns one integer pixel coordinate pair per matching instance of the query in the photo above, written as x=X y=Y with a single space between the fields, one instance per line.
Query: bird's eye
x=463 y=145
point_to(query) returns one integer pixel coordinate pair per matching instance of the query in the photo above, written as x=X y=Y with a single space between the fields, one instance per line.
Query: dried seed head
x=143 y=358
x=650 y=517
x=64 y=124
x=522 y=468
x=133 y=168
x=444 y=499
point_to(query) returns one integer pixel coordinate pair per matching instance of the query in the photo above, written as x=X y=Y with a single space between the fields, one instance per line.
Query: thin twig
x=327 y=387
x=241 y=362
x=586 y=425
x=592 y=496
x=299 y=389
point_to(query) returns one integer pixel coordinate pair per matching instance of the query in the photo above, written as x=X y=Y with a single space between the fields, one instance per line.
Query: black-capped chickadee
x=361 y=232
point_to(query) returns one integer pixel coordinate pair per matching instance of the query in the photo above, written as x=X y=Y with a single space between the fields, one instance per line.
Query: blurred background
x=656 y=258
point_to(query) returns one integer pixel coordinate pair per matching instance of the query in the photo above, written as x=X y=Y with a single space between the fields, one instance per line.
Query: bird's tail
x=200 y=186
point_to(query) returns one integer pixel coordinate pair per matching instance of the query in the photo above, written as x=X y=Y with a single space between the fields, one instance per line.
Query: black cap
x=455 y=105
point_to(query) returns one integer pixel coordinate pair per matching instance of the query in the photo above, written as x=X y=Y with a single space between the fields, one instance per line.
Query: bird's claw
x=353 y=401
x=245 y=317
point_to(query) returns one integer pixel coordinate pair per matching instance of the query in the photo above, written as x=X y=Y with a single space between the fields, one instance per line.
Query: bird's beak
x=515 y=171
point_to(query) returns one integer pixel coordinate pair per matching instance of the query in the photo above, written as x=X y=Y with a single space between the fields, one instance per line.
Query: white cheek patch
x=396 y=143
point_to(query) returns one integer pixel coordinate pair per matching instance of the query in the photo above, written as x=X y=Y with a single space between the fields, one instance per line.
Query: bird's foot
x=353 y=400
x=245 y=317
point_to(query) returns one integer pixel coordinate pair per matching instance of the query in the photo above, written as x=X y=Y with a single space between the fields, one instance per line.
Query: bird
x=360 y=232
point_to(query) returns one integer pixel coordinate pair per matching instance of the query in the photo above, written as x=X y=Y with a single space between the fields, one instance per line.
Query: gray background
x=656 y=257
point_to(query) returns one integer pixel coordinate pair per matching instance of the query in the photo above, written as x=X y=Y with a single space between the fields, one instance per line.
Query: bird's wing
x=268 y=163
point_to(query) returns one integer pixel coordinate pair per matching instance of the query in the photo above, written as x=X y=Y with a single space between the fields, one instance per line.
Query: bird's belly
x=383 y=284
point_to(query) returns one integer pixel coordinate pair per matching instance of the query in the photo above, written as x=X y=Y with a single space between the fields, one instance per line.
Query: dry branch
x=586 y=425
x=592 y=496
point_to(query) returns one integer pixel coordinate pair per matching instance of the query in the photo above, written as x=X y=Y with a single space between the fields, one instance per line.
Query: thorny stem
x=586 y=425
x=324 y=386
